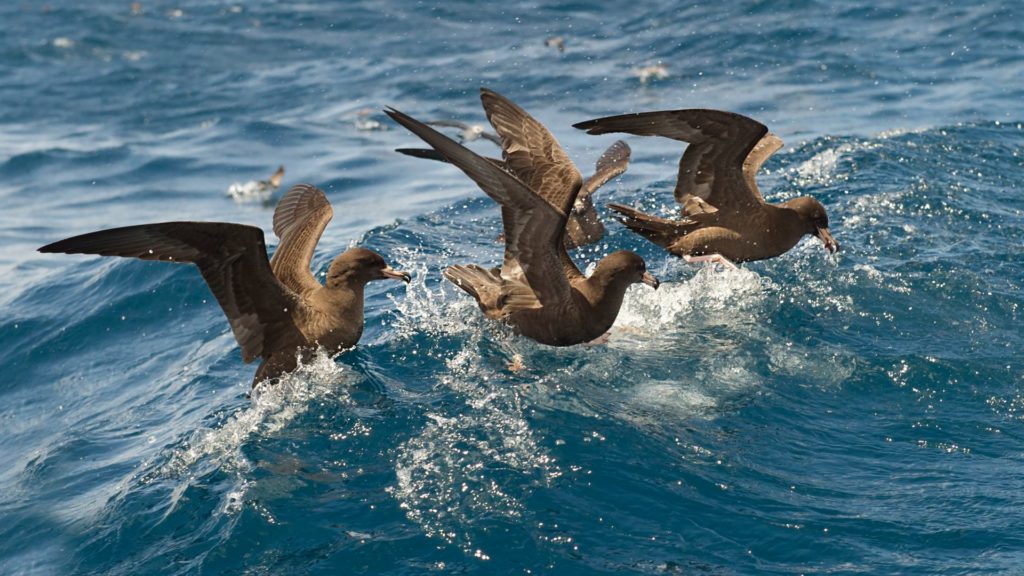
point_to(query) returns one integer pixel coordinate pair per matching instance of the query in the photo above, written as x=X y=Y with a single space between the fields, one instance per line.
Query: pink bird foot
x=710 y=258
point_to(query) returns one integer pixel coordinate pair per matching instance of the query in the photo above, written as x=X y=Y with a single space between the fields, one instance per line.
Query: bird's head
x=359 y=266
x=812 y=214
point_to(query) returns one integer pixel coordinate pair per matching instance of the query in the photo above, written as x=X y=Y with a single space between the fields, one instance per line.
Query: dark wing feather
x=769 y=144
x=583 y=226
x=425 y=153
x=613 y=162
x=533 y=225
x=431 y=154
x=531 y=152
x=299 y=220
x=232 y=259
x=712 y=166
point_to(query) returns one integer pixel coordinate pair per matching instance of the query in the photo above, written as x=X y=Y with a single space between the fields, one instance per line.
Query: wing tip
x=74 y=245
x=288 y=207
x=300 y=189
x=493 y=100
x=54 y=248
x=615 y=158
x=425 y=153
x=408 y=122
x=396 y=114
x=486 y=92
x=620 y=208
x=590 y=126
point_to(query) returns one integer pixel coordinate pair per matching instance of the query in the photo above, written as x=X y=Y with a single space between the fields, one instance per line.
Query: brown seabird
x=724 y=216
x=584 y=225
x=538 y=290
x=256 y=189
x=277 y=309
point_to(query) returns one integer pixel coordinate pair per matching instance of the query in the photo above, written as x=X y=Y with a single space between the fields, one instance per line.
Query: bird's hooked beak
x=650 y=280
x=826 y=238
x=390 y=272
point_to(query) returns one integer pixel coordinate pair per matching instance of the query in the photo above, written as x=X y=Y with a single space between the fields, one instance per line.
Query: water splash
x=272 y=408
x=712 y=295
x=219 y=448
x=477 y=460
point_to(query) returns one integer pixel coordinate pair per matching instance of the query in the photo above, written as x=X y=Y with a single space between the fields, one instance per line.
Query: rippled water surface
x=810 y=414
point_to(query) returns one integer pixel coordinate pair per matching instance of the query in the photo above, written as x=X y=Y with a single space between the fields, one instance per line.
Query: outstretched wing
x=768 y=144
x=533 y=225
x=711 y=169
x=299 y=220
x=232 y=259
x=531 y=152
x=613 y=162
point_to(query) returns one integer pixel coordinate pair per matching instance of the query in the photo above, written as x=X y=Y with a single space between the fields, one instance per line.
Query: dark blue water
x=811 y=414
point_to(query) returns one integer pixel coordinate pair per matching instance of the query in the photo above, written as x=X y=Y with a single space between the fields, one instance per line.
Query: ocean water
x=853 y=414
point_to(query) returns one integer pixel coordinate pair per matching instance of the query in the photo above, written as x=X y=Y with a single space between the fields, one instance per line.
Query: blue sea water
x=855 y=414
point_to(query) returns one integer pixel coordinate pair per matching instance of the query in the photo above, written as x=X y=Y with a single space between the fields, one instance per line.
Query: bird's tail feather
x=494 y=293
x=661 y=231
x=470 y=278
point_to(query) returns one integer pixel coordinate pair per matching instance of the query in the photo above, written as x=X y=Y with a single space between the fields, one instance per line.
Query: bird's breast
x=333 y=325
